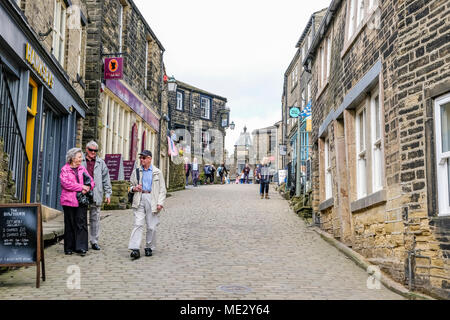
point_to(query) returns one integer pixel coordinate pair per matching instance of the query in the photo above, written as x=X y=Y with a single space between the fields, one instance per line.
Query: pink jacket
x=70 y=186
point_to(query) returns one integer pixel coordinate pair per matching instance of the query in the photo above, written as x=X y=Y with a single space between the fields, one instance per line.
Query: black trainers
x=135 y=254
x=95 y=246
x=148 y=252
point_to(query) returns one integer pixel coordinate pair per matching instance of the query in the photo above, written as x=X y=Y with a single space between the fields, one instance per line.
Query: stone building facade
x=204 y=117
x=297 y=93
x=42 y=79
x=125 y=114
x=380 y=88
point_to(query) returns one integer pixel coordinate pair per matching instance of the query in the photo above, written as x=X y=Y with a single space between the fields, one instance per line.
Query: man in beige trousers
x=148 y=201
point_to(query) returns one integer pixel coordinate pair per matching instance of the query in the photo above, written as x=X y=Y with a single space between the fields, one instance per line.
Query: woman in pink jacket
x=75 y=216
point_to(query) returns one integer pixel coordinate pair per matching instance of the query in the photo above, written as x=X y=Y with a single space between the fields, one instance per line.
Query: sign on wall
x=113 y=68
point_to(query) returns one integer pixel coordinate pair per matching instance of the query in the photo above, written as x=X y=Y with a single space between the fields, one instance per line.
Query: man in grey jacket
x=99 y=171
x=148 y=200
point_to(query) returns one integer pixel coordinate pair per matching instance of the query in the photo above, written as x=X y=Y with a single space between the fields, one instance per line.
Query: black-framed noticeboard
x=21 y=240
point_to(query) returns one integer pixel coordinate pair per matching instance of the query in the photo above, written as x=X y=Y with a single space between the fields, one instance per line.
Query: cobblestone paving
x=209 y=237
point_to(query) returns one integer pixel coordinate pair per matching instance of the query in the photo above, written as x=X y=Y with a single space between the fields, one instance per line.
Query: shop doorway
x=29 y=138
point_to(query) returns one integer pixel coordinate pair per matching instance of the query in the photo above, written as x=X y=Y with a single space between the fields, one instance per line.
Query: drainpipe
x=161 y=87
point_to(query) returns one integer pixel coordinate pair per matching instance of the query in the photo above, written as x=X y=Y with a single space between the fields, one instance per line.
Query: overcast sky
x=235 y=49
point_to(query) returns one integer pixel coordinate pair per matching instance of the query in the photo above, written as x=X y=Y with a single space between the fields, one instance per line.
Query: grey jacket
x=101 y=179
x=158 y=188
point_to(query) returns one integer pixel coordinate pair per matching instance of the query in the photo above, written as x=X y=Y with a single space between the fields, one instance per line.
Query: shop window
x=361 y=184
x=442 y=127
x=59 y=31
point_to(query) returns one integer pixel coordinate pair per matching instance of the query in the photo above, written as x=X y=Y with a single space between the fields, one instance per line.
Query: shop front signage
x=133 y=102
x=35 y=61
x=113 y=68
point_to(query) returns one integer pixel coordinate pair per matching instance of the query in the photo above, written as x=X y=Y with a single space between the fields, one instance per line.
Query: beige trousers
x=143 y=215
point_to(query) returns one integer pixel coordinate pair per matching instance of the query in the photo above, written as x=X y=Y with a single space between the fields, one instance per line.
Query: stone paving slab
x=214 y=242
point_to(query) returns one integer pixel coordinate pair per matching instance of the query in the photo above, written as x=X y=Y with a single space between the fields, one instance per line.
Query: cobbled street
x=214 y=242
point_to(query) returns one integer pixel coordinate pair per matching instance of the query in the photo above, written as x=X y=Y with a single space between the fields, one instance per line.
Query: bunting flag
x=172 y=148
x=306 y=112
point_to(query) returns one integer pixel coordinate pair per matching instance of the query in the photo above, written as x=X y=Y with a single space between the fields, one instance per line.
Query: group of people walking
x=208 y=169
x=86 y=184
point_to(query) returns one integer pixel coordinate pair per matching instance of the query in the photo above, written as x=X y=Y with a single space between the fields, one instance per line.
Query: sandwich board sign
x=21 y=237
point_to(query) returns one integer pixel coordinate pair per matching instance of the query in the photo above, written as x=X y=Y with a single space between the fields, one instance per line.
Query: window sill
x=349 y=43
x=374 y=199
x=326 y=204
x=321 y=91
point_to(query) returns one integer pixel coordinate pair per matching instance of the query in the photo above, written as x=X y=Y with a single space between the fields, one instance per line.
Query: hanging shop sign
x=35 y=61
x=294 y=112
x=113 y=68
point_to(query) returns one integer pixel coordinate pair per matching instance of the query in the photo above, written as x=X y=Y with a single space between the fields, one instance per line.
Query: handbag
x=87 y=198
x=131 y=193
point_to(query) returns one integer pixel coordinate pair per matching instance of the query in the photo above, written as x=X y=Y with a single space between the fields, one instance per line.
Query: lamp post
x=232 y=125
x=172 y=86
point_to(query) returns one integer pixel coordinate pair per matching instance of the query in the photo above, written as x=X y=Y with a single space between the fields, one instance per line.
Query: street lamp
x=172 y=86
x=232 y=125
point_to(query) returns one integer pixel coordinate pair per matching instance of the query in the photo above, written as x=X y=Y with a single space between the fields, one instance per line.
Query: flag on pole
x=172 y=148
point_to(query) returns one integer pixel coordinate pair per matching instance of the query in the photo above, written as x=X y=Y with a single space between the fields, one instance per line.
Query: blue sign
x=294 y=112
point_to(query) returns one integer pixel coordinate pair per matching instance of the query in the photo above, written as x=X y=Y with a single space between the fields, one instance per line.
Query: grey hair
x=72 y=153
x=92 y=143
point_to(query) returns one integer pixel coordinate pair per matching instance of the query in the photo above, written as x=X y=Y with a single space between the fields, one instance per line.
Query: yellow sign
x=38 y=65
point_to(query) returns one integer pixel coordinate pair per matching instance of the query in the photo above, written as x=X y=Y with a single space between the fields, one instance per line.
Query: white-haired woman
x=75 y=216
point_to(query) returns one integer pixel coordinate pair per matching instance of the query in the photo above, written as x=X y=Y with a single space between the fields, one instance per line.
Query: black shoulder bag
x=131 y=193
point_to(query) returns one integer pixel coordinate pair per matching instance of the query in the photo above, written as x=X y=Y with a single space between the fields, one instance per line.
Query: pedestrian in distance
x=207 y=171
x=264 y=178
x=222 y=171
x=148 y=201
x=97 y=169
x=195 y=172
x=246 y=172
x=187 y=169
x=212 y=171
x=72 y=179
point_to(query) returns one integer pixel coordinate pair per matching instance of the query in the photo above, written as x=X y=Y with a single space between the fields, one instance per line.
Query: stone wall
x=402 y=227
x=177 y=180
x=119 y=197
x=39 y=15
x=103 y=34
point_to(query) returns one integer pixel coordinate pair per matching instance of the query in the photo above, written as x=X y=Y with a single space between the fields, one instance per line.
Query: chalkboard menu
x=114 y=163
x=128 y=166
x=21 y=242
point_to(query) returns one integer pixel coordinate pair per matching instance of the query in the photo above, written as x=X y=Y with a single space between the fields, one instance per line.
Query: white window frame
x=179 y=100
x=361 y=153
x=376 y=140
x=309 y=91
x=205 y=139
x=59 y=31
x=205 y=112
x=442 y=160
x=327 y=167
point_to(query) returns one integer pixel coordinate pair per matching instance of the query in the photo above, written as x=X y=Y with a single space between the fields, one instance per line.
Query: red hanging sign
x=113 y=68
